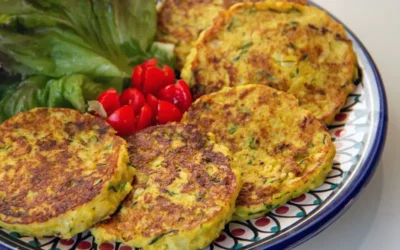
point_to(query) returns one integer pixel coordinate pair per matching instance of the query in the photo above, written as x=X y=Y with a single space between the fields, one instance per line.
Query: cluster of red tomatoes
x=155 y=98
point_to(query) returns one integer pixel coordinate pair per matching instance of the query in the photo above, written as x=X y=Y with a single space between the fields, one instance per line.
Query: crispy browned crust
x=157 y=213
x=43 y=174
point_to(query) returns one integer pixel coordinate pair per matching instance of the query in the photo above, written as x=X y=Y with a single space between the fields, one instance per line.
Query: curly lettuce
x=52 y=43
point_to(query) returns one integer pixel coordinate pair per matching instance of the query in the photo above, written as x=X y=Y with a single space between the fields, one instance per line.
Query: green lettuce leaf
x=104 y=23
x=28 y=94
x=8 y=83
x=41 y=91
x=101 y=39
x=55 y=54
x=164 y=52
x=63 y=53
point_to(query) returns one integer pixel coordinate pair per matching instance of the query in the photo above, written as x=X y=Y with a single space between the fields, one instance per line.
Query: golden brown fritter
x=181 y=22
x=183 y=195
x=60 y=172
x=294 y=48
x=283 y=149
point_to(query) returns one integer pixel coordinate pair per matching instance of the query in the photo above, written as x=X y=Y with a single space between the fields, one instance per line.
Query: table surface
x=373 y=222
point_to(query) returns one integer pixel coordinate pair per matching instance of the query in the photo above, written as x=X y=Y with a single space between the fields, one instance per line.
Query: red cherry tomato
x=152 y=101
x=169 y=94
x=123 y=120
x=154 y=79
x=166 y=100
x=145 y=117
x=186 y=96
x=110 y=101
x=178 y=94
x=168 y=112
x=169 y=75
x=149 y=63
x=137 y=77
x=134 y=98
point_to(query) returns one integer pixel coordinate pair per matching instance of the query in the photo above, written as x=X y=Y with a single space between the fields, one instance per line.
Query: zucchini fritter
x=183 y=195
x=284 y=151
x=60 y=172
x=181 y=22
x=290 y=47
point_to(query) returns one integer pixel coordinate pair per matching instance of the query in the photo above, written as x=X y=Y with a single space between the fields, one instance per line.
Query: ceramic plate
x=358 y=133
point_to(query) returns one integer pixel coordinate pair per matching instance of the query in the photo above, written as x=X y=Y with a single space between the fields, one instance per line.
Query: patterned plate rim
x=332 y=211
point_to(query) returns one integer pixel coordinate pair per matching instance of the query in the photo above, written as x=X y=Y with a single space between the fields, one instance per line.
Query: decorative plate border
x=359 y=148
